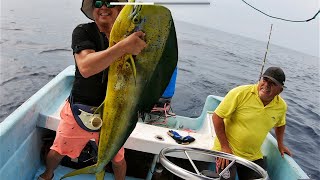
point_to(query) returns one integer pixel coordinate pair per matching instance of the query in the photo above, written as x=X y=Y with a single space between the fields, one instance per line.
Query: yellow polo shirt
x=247 y=121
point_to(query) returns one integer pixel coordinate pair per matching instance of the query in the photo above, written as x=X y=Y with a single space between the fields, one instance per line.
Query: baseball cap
x=275 y=74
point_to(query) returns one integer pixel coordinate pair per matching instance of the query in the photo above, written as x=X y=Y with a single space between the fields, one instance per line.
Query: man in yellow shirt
x=244 y=118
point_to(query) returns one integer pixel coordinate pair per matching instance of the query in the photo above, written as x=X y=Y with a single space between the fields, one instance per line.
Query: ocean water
x=35 y=46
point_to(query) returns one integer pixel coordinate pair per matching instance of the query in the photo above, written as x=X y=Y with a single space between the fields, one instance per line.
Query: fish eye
x=136 y=20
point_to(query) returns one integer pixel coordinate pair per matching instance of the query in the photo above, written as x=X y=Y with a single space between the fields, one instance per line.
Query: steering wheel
x=185 y=174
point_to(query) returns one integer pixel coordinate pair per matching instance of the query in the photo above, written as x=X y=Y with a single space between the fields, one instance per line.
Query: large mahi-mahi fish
x=134 y=86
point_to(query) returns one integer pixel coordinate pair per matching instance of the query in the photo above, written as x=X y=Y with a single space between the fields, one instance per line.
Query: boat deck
x=61 y=170
x=140 y=165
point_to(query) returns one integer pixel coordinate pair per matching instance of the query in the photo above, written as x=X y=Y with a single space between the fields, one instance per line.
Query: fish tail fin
x=87 y=170
x=100 y=175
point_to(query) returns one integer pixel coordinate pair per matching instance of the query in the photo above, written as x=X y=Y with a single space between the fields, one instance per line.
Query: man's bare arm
x=279 y=135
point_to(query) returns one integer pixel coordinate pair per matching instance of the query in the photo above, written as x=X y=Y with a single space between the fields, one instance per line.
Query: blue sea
x=35 y=47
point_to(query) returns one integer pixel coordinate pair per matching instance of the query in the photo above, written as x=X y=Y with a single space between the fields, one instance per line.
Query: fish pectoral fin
x=134 y=70
x=132 y=65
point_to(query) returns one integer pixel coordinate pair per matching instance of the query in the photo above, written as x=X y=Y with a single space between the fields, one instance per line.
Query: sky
x=235 y=17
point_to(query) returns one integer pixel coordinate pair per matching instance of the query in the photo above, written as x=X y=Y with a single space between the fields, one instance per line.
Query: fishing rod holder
x=185 y=174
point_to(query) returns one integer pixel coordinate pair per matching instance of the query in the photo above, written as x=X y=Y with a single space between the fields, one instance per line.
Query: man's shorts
x=71 y=138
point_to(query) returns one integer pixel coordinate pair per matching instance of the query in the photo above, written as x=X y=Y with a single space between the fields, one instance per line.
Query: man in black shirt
x=92 y=59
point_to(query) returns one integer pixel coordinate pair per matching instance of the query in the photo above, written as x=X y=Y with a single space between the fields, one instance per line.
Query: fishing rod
x=265 y=55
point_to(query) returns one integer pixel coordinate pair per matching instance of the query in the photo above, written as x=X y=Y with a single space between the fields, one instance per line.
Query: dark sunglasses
x=99 y=4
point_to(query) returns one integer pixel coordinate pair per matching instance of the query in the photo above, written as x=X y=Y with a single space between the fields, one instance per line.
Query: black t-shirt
x=92 y=90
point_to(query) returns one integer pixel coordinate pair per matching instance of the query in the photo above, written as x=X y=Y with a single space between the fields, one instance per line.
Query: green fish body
x=134 y=86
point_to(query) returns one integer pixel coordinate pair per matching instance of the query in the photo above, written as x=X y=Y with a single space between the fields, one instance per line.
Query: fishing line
x=265 y=55
x=279 y=17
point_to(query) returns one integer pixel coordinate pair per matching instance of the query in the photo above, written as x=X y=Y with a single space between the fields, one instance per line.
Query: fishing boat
x=22 y=133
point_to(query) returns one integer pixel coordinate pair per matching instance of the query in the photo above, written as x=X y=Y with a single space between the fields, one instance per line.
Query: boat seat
x=50 y=120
